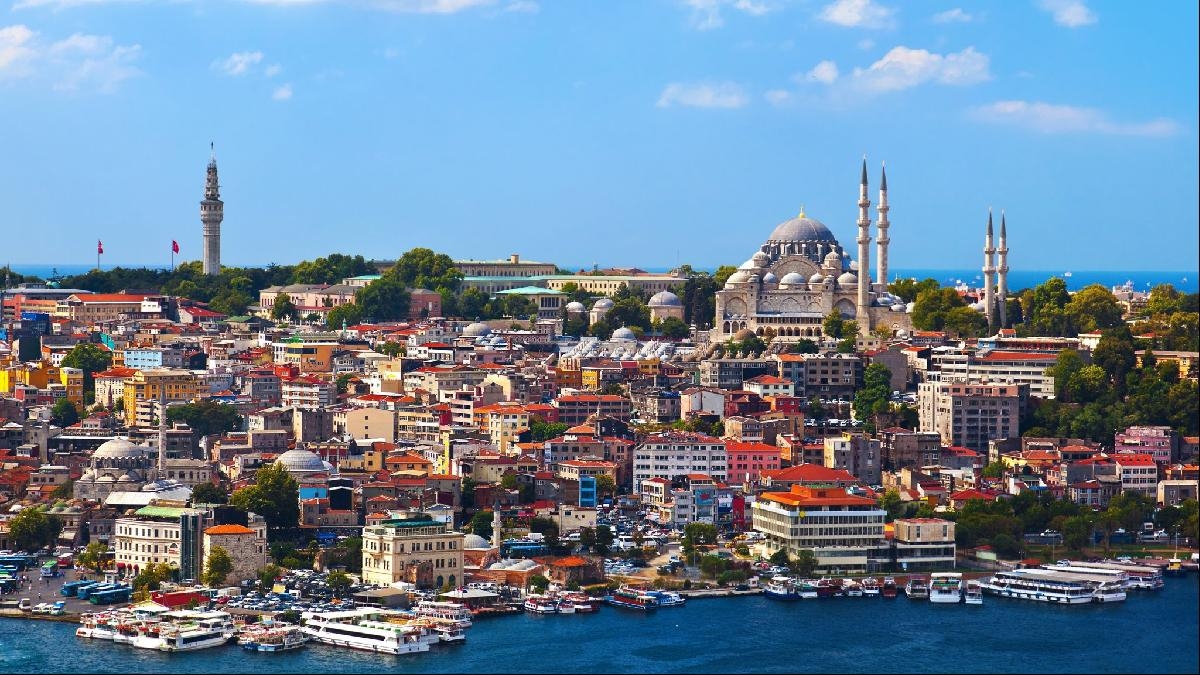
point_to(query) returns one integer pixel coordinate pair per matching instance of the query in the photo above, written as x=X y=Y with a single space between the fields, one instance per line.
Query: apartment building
x=842 y=530
x=671 y=454
x=970 y=415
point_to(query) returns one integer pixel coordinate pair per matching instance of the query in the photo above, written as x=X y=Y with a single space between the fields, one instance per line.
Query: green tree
x=348 y=314
x=230 y=302
x=541 y=430
x=206 y=417
x=1164 y=299
x=423 y=268
x=712 y=566
x=994 y=470
x=391 y=348
x=1066 y=365
x=209 y=493
x=606 y=485
x=932 y=308
x=803 y=346
x=892 y=503
x=965 y=322
x=538 y=583
x=722 y=275
x=700 y=533
x=274 y=496
x=338 y=582
x=330 y=269
x=1091 y=309
x=780 y=558
x=267 y=575
x=152 y=576
x=834 y=324
x=873 y=399
x=629 y=312
x=93 y=556
x=64 y=413
x=91 y=359
x=806 y=563
x=481 y=524
x=1045 y=307
x=604 y=539
x=908 y=289
x=587 y=538
x=384 y=299
x=1005 y=545
x=284 y=308
x=64 y=490
x=217 y=566
x=32 y=529
x=674 y=328
x=1076 y=532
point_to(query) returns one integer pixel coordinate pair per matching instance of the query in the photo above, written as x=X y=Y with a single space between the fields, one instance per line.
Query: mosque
x=802 y=273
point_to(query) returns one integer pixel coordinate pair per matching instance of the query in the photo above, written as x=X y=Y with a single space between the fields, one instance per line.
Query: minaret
x=496 y=525
x=162 y=431
x=989 y=270
x=1002 y=269
x=212 y=211
x=864 y=255
x=881 y=245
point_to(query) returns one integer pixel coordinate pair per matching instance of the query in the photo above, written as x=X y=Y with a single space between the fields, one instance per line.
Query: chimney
x=514 y=258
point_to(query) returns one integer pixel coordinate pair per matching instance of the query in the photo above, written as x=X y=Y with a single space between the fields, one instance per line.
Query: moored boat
x=889 y=590
x=1040 y=585
x=541 y=604
x=871 y=587
x=917 y=587
x=633 y=598
x=974 y=593
x=365 y=629
x=945 y=587
x=273 y=638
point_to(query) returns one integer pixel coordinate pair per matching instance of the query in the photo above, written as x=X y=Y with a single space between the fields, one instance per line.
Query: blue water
x=1188 y=282
x=1150 y=632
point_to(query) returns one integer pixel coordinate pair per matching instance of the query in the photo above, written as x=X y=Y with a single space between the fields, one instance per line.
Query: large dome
x=623 y=333
x=475 y=541
x=118 y=447
x=299 y=460
x=664 y=299
x=476 y=329
x=801 y=229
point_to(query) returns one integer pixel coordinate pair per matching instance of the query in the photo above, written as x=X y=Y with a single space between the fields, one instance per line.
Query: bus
x=84 y=592
x=71 y=588
x=111 y=596
x=18 y=561
x=50 y=569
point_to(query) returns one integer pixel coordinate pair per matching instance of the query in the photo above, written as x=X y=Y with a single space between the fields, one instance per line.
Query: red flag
x=99 y=247
x=174 y=246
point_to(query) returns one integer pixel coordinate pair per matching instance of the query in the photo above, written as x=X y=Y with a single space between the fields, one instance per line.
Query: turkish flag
x=174 y=246
x=99 y=246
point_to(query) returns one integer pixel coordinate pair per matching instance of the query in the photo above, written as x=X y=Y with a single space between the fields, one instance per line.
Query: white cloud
x=238 y=63
x=706 y=14
x=1069 y=13
x=825 y=72
x=866 y=44
x=777 y=97
x=956 y=15
x=282 y=92
x=77 y=62
x=1051 y=118
x=703 y=95
x=857 y=14
x=903 y=68
x=429 y=6
x=273 y=70
x=523 y=6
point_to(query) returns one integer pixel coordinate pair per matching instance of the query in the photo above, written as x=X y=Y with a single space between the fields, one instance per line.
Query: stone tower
x=881 y=244
x=989 y=271
x=212 y=212
x=1002 y=276
x=863 y=312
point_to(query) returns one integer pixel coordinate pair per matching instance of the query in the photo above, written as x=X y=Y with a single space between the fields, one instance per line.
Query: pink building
x=747 y=461
x=1161 y=443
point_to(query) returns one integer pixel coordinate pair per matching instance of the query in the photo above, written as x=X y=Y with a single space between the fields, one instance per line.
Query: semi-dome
x=664 y=299
x=847 y=279
x=118 y=448
x=623 y=333
x=737 y=278
x=761 y=259
x=770 y=278
x=299 y=460
x=576 y=307
x=801 y=229
x=475 y=541
x=792 y=278
x=603 y=303
x=832 y=259
x=476 y=329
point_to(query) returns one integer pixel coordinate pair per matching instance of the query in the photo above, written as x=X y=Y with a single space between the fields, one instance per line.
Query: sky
x=620 y=133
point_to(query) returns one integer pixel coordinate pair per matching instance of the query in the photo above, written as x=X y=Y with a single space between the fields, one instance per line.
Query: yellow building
x=169 y=384
x=310 y=357
x=72 y=379
x=413 y=548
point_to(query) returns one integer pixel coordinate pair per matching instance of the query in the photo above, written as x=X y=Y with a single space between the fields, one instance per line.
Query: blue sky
x=638 y=132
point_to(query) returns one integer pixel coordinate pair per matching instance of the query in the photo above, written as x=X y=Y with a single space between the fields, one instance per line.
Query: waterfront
x=1151 y=632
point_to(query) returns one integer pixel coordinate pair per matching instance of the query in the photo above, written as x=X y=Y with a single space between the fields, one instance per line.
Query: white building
x=676 y=453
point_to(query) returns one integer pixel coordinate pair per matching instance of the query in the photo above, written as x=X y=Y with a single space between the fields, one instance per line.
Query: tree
x=834 y=324
x=587 y=538
x=541 y=430
x=629 y=312
x=1164 y=299
x=347 y=314
x=604 y=539
x=32 y=529
x=64 y=413
x=330 y=269
x=994 y=470
x=338 y=582
x=606 y=485
x=206 y=417
x=674 y=328
x=230 y=302
x=152 y=576
x=267 y=575
x=91 y=359
x=274 y=496
x=700 y=533
x=712 y=566
x=391 y=348
x=1091 y=309
x=780 y=558
x=538 y=583
x=384 y=299
x=806 y=563
x=481 y=524
x=908 y=289
x=892 y=503
x=932 y=308
x=1045 y=306
x=93 y=556
x=1005 y=545
x=423 y=268
x=217 y=566
x=873 y=399
x=64 y=490
x=803 y=346
x=284 y=308
x=209 y=493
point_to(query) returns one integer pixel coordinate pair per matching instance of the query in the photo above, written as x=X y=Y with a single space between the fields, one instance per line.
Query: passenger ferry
x=781 y=588
x=633 y=598
x=917 y=587
x=361 y=629
x=1038 y=584
x=212 y=630
x=974 y=593
x=272 y=638
x=541 y=604
x=945 y=587
x=1140 y=577
x=451 y=611
x=668 y=598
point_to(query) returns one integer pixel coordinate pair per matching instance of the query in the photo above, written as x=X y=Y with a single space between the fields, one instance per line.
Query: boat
x=147 y=636
x=453 y=611
x=781 y=588
x=945 y=587
x=668 y=598
x=1174 y=567
x=541 y=604
x=582 y=602
x=890 y=590
x=917 y=587
x=633 y=598
x=1038 y=584
x=212 y=630
x=829 y=588
x=363 y=629
x=871 y=587
x=974 y=593
x=272 y=638
x=852 y=588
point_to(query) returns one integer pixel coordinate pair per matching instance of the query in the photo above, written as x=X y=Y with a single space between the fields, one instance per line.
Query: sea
x=1185 y=281
x=1151 y=632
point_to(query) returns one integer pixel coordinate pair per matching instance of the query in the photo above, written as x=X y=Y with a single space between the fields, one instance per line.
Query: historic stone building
x=212 y=212
x=802 y=273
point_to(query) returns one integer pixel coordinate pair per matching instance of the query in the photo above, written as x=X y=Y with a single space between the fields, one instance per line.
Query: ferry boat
x=945 y=587
x=212 y=630
x=668 y=598
x=272 y=638
x=582 y=602
x=452 y=611
x=974 y=593
x=871 y=587
x=1037 y=584
x=890 y=590
x=541 y=604
x=361 y=629
x=633 y=598
x=1139 y=577
x=100 y=626
x=852 y=588
x=781 y=588
x=917 y=587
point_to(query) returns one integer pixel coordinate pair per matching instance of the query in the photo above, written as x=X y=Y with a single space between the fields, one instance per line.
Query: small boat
x=582 y=602
x=974 y=593
x=890 y=590
x=274 y=638
x=871 y=587
x=946 y=587
x=540 y=604
x=917 y=588
x=781 y=588
x=852 y=588
x=668 y=598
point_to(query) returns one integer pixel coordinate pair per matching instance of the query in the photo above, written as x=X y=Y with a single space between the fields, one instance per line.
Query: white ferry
x=271 y=637
x=1038 y=584
x=1140 y=577
x=945 y=587
x=452 y=611
x=371 y=630
x=917 y=587
x=973 y=594
x=211 y=630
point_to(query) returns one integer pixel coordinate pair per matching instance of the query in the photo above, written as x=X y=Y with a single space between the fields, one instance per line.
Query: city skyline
x=485 y=128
